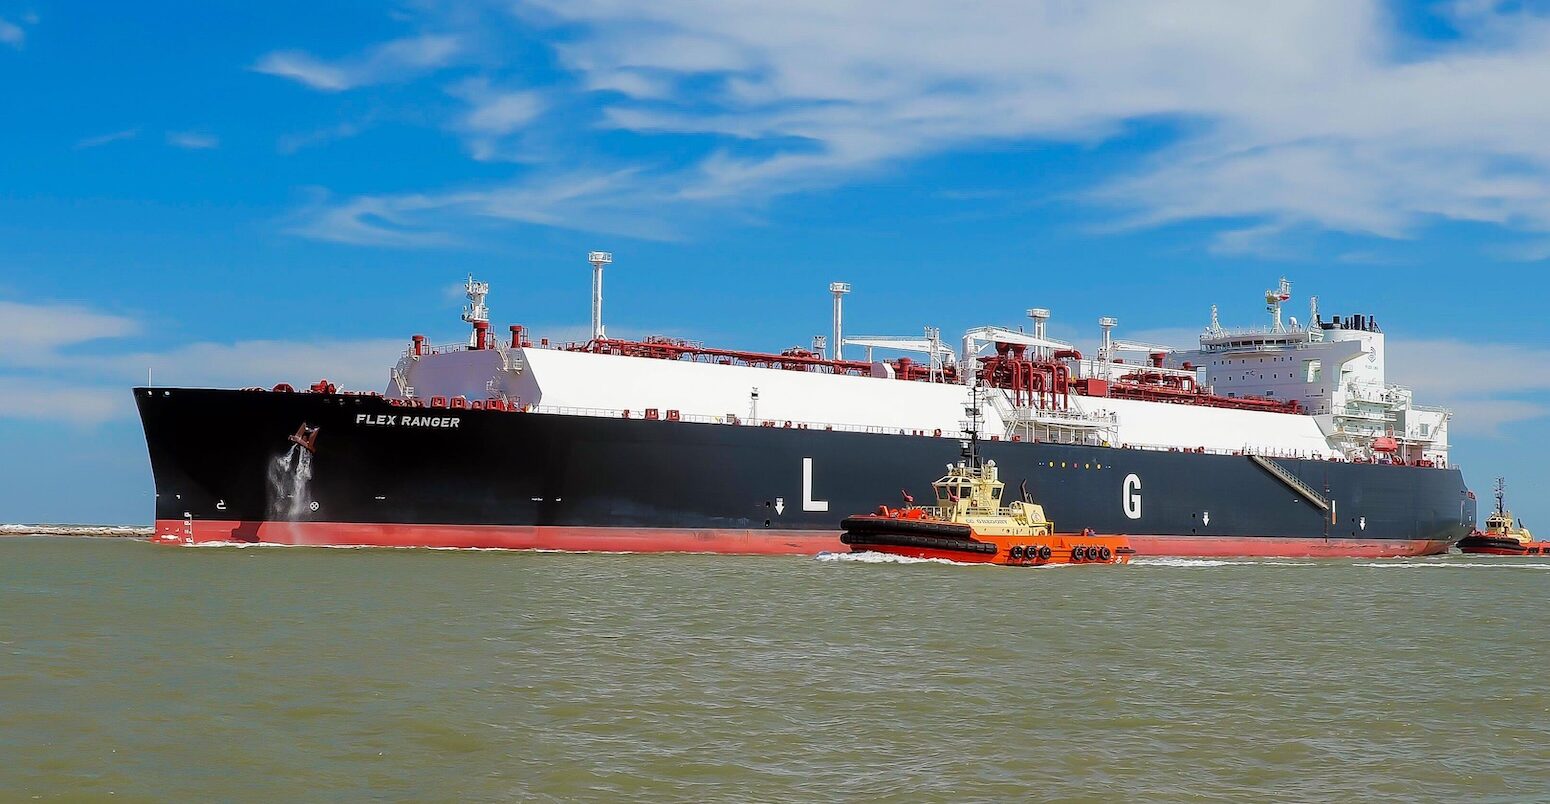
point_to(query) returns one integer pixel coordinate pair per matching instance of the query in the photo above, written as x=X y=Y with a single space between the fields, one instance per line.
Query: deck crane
x=1155 y=351
x=1137 y=346
x=929 y=343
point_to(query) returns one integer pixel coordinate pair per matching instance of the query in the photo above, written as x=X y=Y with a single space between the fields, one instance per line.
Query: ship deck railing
x=737 y=421
x=700 y=418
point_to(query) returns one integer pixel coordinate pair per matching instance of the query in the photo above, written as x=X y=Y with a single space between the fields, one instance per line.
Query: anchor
x=306 y=437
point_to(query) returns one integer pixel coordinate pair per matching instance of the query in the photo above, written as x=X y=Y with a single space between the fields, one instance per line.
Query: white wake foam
x=1509 y=563
x=1187 y=562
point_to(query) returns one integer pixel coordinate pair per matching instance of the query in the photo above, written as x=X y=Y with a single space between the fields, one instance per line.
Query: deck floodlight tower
x=1040 y=316
x=598 y=260
x=839 y=289
x=1106 y=347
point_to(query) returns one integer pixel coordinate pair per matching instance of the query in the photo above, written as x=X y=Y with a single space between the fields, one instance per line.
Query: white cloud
x=34 y=329
x=62 y=363
x=306 y=69
x=360 y=365
x=104 y=139
x=389 y=61
x=56 y=400
x=291 y=143
x=193 y=140
x=12 y=34
x=621 y=202
x=493 y=116
x=1488 y=385
x=500 y=113
x=1315 y=114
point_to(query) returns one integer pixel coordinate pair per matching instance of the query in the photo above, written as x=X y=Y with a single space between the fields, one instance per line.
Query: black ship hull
x=227 y=468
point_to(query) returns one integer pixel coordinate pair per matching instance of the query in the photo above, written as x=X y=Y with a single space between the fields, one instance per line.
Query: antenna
x=476 y=312
x=1273 y=299
x=1216 y=323
x=1501 y=495
x=598 y=260
x=972 y=427
x=839 y=289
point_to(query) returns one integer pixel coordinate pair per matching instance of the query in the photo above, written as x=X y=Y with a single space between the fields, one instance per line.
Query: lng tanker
x=1278 y=440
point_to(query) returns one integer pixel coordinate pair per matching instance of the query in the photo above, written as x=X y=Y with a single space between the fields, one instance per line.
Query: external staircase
x=1284 y=475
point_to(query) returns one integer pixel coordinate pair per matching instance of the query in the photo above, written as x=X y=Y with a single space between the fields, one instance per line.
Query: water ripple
x=153 y=673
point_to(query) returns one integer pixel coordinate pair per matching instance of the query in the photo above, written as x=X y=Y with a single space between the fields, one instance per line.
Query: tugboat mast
x=971 y=447
x=1501 y=494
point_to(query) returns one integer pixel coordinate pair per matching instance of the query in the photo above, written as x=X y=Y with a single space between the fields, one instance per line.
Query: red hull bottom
x=728 y=541
x=503 y=537
x=1278 y=547
x=1530 y=549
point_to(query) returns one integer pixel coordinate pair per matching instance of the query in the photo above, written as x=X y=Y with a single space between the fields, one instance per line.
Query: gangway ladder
x=1280 y=472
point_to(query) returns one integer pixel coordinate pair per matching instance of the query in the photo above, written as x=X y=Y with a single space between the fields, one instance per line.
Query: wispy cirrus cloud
x=623 y=202
x=193 y=140
x=1489 y=386
x=12 y=34
x=493 y=116
x=43 y=329
x=74 y=364
x=291 y=143
x=390 y=61
x=1322 y=114
x=103 y=139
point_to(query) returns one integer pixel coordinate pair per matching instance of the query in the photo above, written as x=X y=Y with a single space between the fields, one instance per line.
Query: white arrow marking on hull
x=808 y=503
x=780 y=505
x=1205 y=518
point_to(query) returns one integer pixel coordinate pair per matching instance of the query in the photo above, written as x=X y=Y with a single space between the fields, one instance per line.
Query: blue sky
x=240 y=194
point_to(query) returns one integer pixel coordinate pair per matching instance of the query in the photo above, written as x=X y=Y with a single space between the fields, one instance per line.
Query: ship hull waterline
x=227 y=470
x=730 y=542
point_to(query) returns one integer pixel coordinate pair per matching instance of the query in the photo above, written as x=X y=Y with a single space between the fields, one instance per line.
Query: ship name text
x=406 y=420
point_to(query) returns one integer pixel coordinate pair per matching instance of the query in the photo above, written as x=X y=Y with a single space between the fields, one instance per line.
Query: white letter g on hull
x=1132 y=497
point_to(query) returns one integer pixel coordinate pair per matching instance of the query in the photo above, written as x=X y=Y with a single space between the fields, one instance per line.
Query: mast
x=971 y=447
x=1501 y=495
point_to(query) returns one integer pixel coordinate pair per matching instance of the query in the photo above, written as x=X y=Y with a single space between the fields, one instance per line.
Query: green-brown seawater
x=154 y=673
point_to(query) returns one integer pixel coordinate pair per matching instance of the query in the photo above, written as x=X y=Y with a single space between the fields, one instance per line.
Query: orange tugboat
x=1503 y=536
x=969 y=523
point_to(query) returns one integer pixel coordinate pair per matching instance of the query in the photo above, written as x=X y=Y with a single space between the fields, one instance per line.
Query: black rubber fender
x=917 y=527
x=1078 y=554
x=1045 y=552
x=1092 y=552
x=864 y=540
x=1016 y=553
x=1105 y=553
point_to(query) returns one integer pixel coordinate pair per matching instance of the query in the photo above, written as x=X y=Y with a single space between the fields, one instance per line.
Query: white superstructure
x=1335 y=370
x=1232 y=394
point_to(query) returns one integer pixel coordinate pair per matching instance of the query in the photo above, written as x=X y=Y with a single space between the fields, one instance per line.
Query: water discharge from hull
x=289 y=476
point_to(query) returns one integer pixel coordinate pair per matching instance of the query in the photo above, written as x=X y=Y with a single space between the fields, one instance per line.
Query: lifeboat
x=969 y=524
x=1503 y=535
